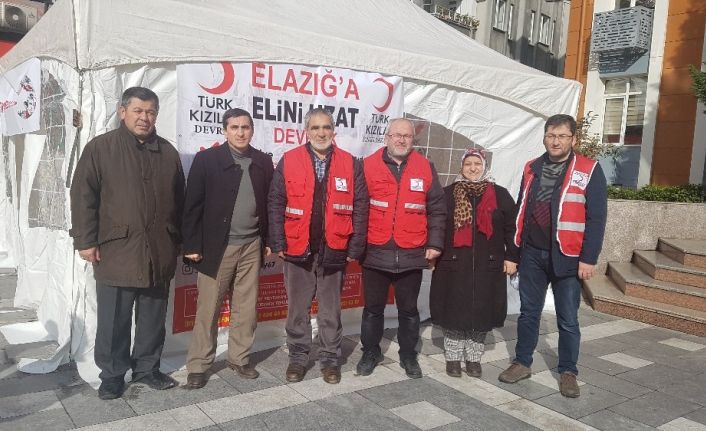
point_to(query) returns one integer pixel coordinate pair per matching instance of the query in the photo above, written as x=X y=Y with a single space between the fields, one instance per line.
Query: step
x=690 y=252
x=606 y=297
x=660 y=267
x=634 y=282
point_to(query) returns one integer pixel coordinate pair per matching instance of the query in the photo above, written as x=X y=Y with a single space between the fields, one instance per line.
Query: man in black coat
x=225 y=230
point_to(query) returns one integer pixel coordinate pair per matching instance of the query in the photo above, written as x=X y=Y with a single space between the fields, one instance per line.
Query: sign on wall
x=278 y=96
x=20 y=93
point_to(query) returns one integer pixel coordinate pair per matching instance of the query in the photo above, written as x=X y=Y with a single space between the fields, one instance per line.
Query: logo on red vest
x=579 y=179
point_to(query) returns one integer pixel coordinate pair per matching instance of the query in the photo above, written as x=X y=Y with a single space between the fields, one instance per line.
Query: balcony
x=629 y=28
x=450 y=16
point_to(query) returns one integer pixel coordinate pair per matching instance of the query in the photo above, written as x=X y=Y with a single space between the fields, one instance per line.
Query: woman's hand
x=510 y=268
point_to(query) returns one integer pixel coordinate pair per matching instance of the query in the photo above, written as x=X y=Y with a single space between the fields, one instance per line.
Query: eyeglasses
x=399 y=136
x=562 y=138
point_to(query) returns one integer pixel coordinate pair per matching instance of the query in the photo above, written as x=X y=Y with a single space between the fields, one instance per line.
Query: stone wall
x=636 y=225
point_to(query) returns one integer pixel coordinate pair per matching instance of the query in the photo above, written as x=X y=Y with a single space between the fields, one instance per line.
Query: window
x=530 y=37
x=499 y=18
x=510 y=21
x=624 y=110
x=551 y=35
x=426 y=5
x=544 y=29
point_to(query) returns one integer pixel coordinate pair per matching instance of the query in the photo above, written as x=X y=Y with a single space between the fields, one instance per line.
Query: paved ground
x=634 y=377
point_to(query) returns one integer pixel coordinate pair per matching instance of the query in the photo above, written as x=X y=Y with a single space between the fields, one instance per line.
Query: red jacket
x=571 y=219
x=398 y=212
x=299 y=188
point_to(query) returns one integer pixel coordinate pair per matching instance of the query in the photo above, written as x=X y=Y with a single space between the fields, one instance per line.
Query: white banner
x=278 y=96
x=20 y=93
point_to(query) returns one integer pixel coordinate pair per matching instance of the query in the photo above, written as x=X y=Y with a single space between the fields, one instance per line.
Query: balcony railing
x=629 y=28
x=448 y=15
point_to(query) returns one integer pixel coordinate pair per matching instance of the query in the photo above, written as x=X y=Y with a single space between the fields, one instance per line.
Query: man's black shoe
x=111 y=389
x=156 y=380
x=411 y=367
x=368 y=362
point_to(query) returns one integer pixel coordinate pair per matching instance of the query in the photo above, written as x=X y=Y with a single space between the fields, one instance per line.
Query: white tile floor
x=626 y=360
x=425 y=415
x=683 y=344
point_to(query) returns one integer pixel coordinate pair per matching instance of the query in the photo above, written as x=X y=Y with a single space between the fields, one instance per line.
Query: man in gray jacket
x=126 y=201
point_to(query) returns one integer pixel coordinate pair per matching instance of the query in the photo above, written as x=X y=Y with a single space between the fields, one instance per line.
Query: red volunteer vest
x=571 y=220
x=398 y=211
x=299 y=185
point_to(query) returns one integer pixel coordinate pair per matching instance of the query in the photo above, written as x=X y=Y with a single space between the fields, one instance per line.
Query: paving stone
x=10 y=315
x=612 y=383
x=210 y=428
x=541 y=360
x=524 y=388
x=430 y=332
x=406 y=392
x=364 y=414
x=24 y=404
x=309 y=416
x=671 y=356
x=50 y=420
x=607 y=367
x=683 y=344
x=602 y=346
x=656 y=376
x=655 y=408
x=502 y=350
x=476 y=388
x=626 y=360
x=611 y=421
x=250 y=404
x=682 y=424
x=144 y=400
x=180 y=419
x=690 y=390
x=541 y=417
x=506 y=333
x=429 y=348
x=549 y=379
x=22 y=383
x=424 y=415
x=697 y=416
x=318 y=389
x=266 y=380
x=592 y=399
x=85 y=408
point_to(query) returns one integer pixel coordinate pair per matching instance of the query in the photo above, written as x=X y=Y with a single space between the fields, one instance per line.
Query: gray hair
x=317 y=111
x=395 y=120
x=142 y=93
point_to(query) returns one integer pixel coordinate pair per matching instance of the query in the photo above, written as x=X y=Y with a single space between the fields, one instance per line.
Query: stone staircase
x=664 y=287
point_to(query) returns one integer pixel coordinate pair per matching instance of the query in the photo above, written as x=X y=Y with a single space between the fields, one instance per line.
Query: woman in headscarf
x=468 y=289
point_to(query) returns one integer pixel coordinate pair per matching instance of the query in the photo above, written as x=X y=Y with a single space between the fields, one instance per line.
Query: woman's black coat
x=468 y=288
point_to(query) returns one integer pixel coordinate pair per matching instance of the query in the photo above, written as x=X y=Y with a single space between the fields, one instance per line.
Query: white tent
x=91 y=51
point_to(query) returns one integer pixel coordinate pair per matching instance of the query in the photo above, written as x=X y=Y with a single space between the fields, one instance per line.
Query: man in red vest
x=560 y=225
x=318 y=216
x=406 y=225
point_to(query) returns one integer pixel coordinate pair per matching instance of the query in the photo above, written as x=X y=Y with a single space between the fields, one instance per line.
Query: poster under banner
x=271 y=300
x=278 y=96
x=20 y=93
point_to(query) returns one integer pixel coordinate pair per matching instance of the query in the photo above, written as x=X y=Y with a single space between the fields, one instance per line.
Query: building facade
x=532 y=32
x=633 y=58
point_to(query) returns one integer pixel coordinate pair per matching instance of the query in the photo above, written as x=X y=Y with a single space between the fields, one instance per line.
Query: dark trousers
x=303 y=282
x=536 y=273
x=114 y=313
x=376 y=284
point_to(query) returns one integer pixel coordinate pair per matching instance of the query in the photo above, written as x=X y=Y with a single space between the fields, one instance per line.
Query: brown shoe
x=195 y=381
x=331 y=375
x=568 y=386
x=515 y=373
x=453 y=368
x=295 y=373
x=473 y=369
x=245 y=371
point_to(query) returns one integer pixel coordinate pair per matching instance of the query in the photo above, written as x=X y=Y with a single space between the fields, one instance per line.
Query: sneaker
x=453 y=368
x=111 y=389
x=368 y=362
x=515 y=373
x=473 y=369
x=411 y=367
x=568 y=386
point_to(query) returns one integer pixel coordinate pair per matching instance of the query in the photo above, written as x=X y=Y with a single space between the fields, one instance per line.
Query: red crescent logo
x=390 y=90
x=228 y=79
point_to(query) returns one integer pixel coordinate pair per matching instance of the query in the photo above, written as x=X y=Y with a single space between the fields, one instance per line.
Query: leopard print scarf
x=463 y=211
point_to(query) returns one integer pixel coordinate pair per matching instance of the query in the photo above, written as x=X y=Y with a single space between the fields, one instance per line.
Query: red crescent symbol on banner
x=228 y=79
x=390 y=90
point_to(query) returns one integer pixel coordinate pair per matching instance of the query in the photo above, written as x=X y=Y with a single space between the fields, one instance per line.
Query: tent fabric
x=386 y=36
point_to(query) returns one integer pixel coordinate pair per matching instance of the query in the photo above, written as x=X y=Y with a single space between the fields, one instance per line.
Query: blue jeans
x=536 y=273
